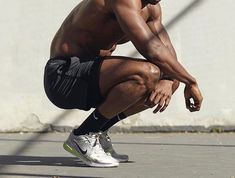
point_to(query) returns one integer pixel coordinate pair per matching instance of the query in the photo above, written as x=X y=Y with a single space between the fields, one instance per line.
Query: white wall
x=203 y=37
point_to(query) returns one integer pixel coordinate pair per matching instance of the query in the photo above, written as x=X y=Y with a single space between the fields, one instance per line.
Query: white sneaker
x=106 y=144
x=89 y=150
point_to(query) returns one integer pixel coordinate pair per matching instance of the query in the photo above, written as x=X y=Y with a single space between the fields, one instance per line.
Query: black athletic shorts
x=72 y=83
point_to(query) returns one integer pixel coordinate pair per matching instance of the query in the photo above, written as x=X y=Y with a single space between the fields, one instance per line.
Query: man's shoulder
x=154 y=11
x=150 y=9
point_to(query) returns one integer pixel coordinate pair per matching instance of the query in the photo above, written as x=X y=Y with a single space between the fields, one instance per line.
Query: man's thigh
x=116 y=69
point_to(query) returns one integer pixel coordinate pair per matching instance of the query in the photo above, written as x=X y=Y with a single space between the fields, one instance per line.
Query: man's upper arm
x=128 y=15
x=156 y=26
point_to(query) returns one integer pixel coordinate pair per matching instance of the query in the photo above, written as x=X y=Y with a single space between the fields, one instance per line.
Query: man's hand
x=193 y=97
x=161 y=96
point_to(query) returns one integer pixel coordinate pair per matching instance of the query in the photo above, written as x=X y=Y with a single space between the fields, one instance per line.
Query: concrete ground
x=151 y=155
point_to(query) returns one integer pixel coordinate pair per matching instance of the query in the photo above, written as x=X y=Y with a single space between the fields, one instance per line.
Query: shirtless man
x=82 y=74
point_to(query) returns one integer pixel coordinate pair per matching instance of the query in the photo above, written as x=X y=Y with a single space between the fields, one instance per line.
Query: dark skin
x=113 y=22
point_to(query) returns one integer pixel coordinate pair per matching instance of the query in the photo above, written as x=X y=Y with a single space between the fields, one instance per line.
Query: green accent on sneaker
x=71 y=150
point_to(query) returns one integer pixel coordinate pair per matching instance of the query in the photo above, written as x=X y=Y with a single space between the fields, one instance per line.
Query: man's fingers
x=198 y=104
x=153 y=99
x=187 y=103
x=193 y=107
x=160 y=105
x=157 y=99
x=154 y=102
x=190 y=105
x=167 y=102
x=149 y=100
x=157 y=109
x=153 y=95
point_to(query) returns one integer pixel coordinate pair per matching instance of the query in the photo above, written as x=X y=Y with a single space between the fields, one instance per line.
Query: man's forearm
x=163 y=35
x=160 y=55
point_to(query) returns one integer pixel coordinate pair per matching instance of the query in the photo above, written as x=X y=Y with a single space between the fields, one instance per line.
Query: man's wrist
x=191 y=82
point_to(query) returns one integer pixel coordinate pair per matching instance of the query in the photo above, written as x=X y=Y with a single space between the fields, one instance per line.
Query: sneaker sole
x=120 y=160
x=117 y=157
x=86 y=160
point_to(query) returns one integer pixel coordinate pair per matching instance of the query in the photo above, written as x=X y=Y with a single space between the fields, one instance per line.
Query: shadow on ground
x=43 y=161
x=177 y=144
x=40 y=161
x=41 y=175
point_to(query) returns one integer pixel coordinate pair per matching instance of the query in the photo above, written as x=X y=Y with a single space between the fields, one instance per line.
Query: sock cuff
x=97 y=114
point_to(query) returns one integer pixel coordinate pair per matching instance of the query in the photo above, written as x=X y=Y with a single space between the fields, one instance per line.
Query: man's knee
x=150 y=74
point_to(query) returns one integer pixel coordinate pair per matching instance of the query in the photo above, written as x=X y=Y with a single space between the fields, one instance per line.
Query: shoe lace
x=107 y=141
x=97 y=146
x=97 y=142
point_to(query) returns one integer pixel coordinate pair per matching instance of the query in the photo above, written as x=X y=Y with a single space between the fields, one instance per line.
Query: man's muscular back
x=90 y=30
